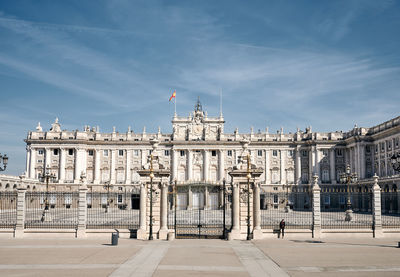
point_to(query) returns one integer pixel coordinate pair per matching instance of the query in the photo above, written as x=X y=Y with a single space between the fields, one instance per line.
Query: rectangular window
x=325 y=153
x=368 y=149
x=382 y=146
x=230 y=153
x=120 y=153
x=304 y=153
x=121 y=139
x=182 y=152
x=40 y=152
x=259 y=153
x=136 y=153
x=290 y=153
x=150 y=151
x=213 y=153
x=389 y=145
x=339 y=152
x=90 y=152
x=166 y=152
x=106 y=139
x=327 y=199
x=396 y=143
x=105 y=153
x=70 y=152
x=275 y=153
x=119 y=198
x=55 y=152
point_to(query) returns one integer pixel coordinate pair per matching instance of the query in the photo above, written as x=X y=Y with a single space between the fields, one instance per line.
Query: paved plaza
x=270 y=257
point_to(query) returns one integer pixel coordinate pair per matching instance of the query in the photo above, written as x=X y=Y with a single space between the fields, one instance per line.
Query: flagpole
x=175 y=105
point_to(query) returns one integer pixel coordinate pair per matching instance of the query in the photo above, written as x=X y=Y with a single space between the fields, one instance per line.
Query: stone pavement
x=270 y=257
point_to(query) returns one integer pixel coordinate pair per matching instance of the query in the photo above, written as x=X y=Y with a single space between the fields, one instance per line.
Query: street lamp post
x=395 y=159
x=46 y=177
x=151 y=197
x=107 y=186
x=248 y=176
x=4 y=160
x=347 y=178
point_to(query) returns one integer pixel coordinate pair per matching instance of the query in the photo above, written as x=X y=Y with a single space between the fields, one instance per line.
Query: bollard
x=114 y=238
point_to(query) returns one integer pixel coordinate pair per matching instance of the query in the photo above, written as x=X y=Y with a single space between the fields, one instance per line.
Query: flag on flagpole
x=173 y=95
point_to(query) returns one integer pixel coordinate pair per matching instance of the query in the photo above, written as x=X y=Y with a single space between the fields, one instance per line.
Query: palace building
x=198 y=150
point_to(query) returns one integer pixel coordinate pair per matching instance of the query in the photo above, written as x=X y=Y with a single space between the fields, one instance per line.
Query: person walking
x=282 y=227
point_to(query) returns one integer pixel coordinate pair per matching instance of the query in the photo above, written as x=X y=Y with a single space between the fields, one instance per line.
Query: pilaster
x=62 y=165
x=298 y=166
x=206 y=163
x=221 y=165
x=97 y=176
x=189 y=165
x=32 y=164
x=113 y=161
x=128 y=175
x=283 y=166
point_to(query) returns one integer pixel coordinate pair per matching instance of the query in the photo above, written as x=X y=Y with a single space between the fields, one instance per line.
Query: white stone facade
x=199 y=150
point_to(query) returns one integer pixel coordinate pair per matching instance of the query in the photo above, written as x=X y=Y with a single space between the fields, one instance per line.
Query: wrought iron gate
x=201 y=222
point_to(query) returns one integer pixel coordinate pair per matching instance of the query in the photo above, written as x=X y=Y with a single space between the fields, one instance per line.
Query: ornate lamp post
x=4 y=160
x=395 y=159
x=151 y=197
x=347 y=178
x=46 y=177
x=107 y=186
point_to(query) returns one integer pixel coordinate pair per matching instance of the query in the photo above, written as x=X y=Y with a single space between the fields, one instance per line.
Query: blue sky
x=328 y=64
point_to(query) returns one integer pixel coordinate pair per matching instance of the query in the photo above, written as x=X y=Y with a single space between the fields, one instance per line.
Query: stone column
x=189 y=165
x=311 y=159
x=47 y=159
x=257 y=233
x=362 y=162
x=189 y=198
x=97 y=176
x=235 y=232
x=267 y=166
x=332 y=166
x=62 y=165
x=221 y=165
x=113 y=160
x=78 y=168
x=128 y=175
x=377 y=209
x=316 y=208
x=28 y=159
x=32 y=164
x=20 y=226
x=316 y=164
x=283 y=167
x=82 y=212
x=298 y=166
x=163 y=233
x=174 y=173
x=206 y=199
x=205 y=163
x=142 y=232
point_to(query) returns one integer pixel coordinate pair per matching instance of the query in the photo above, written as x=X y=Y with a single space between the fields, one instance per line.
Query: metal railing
x=62 y=210
x=293 y=207
x=333 y=210
x=8 y=209
x=112 y=210
x=390 y=209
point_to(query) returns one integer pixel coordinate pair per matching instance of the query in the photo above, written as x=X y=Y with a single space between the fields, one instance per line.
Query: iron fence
x=390 y=209
x=334 y=206
x=294 y=207
x=8 y=209
x=113 y=210
x=202 y=221
x=60 y=212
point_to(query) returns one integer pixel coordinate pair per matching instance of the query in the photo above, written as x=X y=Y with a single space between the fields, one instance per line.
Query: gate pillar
x=163 y=233
x=235 y=232
x=377 y=209
x=257 y=233
x=316 y=208
x=141 y=233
